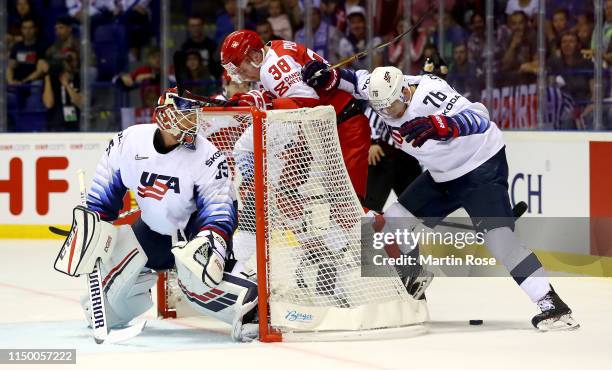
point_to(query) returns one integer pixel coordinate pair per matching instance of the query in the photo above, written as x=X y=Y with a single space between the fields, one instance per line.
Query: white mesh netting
x=313 y=224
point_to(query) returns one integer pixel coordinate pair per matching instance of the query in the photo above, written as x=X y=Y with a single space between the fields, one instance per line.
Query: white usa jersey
x=184 y=189
x=445 y=160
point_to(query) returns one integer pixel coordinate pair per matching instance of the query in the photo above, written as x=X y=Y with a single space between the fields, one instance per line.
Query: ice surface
x=39 y=309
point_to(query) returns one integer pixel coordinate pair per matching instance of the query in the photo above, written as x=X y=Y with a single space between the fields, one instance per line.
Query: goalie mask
x=179 y=116
x=386 y=87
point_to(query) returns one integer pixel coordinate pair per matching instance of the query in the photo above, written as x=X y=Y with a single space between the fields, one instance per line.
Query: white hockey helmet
x=386 y=85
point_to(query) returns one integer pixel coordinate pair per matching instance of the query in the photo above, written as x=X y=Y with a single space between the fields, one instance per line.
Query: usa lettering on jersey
x=156 y=186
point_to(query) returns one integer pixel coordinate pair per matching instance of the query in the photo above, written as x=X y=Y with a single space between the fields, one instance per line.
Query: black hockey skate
x=555 y=315
x=416 y=285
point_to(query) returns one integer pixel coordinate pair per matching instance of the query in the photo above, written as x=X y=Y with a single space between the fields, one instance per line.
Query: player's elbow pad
x=348 y=80
x=471 y=123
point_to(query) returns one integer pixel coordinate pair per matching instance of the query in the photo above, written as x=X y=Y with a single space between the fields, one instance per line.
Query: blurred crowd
x=44 y=38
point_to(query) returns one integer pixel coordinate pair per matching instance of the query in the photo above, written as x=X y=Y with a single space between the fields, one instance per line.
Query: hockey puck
x=475 y=322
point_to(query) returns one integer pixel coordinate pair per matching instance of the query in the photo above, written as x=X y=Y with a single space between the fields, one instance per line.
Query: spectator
x=23 y=10
x=295 y=12
x=226 y=20
x=389 y=168
x=137 y=20
x=518 y=52
x=197 y=40
x=464 y=11
x=554 y=29
x=356 y=41
x=26 y=63
x=325 y=37
x=61 y=94
x=476 y=42
x=434 y=64
x=100 y=12
x=429 y=54
x=584 y=31
x=607 y=27
x=394 y=53
x=464 y=76
x=575 y=71
x=147 y=77
x=279 y=20
x=453 y=35
x=199 y=80
x=351 y=6
x=260 y=9
x=333 y=14
x=64 y=40
x=264 y=30
x=529 y=7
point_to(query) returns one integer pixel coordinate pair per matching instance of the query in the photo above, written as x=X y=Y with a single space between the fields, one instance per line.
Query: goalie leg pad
x=125 y=280
x=90 y=238
x=233 y=300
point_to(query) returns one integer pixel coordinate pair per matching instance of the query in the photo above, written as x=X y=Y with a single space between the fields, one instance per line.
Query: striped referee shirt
x=379 y=131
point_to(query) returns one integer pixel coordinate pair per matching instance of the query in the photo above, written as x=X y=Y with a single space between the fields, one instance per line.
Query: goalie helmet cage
x=297 y=205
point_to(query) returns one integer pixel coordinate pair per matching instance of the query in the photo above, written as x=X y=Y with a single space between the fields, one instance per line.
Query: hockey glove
x=421 y=129
x=326 y=80
x=204 y=256
x=257 y=98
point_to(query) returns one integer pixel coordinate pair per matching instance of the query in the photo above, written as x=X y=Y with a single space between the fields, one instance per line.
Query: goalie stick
x=99 y=323
x=62 y=232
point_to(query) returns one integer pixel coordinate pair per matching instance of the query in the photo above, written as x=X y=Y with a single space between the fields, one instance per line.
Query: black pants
x=482 y=192
x=155 y=245
x=395 y=171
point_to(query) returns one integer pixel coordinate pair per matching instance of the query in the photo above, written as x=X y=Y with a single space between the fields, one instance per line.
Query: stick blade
x=519 y=209
x=58 y=231
x=116 y=336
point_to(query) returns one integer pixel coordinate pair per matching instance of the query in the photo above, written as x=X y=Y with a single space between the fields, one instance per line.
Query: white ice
x=39 y=309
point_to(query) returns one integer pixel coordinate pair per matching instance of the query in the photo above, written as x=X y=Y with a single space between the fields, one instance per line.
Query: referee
x=389 y=168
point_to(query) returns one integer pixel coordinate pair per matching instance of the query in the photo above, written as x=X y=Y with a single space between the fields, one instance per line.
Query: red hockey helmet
x=236 y=47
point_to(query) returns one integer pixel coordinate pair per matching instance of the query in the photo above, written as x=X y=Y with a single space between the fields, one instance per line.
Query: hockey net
x=299 y=228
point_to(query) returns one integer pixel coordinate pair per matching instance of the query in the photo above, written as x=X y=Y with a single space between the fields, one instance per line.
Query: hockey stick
x=519 y=209
x=99 y=323
x=363 y=53
x=62 y=232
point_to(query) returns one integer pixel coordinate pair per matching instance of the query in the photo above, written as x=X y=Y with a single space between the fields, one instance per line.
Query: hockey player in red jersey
x=277 y=65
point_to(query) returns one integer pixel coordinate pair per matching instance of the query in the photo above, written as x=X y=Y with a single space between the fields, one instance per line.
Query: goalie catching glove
x=204 y=256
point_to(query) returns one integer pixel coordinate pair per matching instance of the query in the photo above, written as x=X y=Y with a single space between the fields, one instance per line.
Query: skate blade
x=564 y=322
